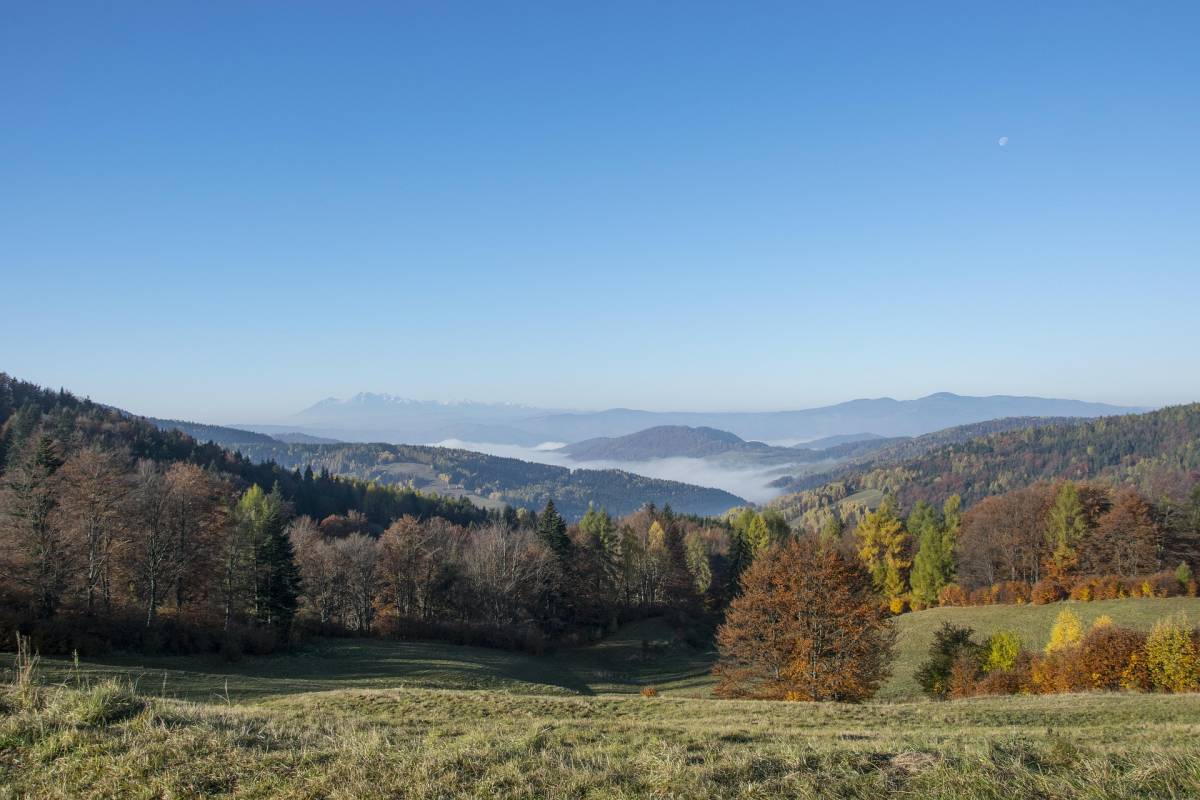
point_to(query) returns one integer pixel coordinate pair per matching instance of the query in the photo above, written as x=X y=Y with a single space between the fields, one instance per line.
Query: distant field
x=1032 y=623
x=619 y=664
x=364 y=718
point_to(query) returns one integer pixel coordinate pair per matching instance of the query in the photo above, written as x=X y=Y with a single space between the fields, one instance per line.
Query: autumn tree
x=94 y=492
x=1125 y=540
x=322 y=593
x=883 y=548
x=151 y=545
x=1002 y=537
x=807 y=626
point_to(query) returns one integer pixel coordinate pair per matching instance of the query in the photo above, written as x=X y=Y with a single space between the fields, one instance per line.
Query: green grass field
x=619 y=664
x=357 y=718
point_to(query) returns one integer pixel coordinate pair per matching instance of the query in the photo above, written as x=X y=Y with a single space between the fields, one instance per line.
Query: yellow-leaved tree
x=1067 y=631
x=883 y=548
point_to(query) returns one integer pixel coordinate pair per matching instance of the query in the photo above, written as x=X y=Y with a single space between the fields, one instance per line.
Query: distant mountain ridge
x=376 y=417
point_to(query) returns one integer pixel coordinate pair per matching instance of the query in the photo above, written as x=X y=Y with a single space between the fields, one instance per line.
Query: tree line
x=1039 y=544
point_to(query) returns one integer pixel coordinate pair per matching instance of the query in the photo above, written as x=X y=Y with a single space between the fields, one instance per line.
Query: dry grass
x=434 y=722
x=444 y=743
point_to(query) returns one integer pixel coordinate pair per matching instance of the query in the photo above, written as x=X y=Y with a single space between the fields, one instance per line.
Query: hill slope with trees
x=1157 y=453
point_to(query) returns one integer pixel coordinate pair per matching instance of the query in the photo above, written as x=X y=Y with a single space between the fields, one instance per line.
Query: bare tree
x=37 y=552
x=95 y=489
x=358 y=555
x=507 y=569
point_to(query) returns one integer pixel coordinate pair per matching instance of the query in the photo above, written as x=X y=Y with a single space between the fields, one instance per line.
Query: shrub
x=896 y=605
x=949 y=643
x=649 y=691
x=1046 y=591
x=1107 y=587
x=984 y=596
x=1136 y=677
x=1084 y=590
x=1104 y=655
x=952 y=595
x=1001 y=651
x=1102 y=621
x=1008 y=681
x=1054 y=672
x=1171 y=657
x=1012 y=592
x=1166 y=584
x=1183 y=574
x=1066 y=632
x=964 y=675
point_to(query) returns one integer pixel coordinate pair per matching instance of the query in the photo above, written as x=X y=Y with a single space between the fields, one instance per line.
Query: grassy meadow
x=358 y=718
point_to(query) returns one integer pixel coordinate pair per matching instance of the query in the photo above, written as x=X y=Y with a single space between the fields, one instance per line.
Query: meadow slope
x=365 y=718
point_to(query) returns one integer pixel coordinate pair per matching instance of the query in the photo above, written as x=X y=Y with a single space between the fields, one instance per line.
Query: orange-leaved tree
x=807 y=626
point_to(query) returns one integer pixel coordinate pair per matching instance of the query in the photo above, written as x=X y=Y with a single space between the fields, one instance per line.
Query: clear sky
x=227 y=211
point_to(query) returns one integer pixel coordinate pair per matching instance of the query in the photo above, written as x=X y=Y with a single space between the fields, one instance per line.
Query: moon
x=1003 y=141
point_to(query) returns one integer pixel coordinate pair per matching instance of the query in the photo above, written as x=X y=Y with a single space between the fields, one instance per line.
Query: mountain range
x=386 y=418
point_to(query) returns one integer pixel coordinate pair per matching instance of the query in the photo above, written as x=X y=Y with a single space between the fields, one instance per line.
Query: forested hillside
x=217 y=434
x=495 y=479
x=1157 y=453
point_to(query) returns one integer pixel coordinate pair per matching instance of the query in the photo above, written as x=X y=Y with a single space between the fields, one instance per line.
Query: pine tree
x=741 y=556
x=552 y=530
x=831 y=530
x=933 y=566
x=679 y=590
x=278 y=584
x=1065 y=527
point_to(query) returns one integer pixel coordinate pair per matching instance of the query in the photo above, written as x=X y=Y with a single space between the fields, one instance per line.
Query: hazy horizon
x=224 y=213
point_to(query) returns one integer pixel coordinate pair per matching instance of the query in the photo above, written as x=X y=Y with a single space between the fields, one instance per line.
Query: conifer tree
x=679 y=590
x=933 y=566
x=552 y=530
x=831 y=530
x=1066 y=525
x=278 y=580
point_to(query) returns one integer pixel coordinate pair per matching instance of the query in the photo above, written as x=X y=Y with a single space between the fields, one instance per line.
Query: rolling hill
x=665 y=441
x=493 y=481
x=1158 y=452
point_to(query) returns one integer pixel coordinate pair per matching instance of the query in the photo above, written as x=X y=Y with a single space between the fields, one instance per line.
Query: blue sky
x=227 y=211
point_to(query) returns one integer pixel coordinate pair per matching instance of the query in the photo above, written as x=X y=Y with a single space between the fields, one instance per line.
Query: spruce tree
x=1065 y=527
x=279 y=579
x=552 y=529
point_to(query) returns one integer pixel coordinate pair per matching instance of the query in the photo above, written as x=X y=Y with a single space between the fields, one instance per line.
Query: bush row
x=1105 y=658
x=1087 y=588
